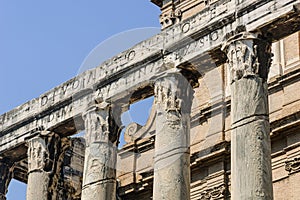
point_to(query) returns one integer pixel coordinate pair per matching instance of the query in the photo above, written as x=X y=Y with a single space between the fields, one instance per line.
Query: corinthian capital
x=41 y=152
x=37 y=154
x=248 y=55
x=101 y=123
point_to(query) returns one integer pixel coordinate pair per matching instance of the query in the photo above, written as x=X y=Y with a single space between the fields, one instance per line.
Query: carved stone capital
x=102 y=123
x=173 y=93
x=6 y=171
x=248 y=56
x=41 y=152
x=38 y=154
x=292 y=165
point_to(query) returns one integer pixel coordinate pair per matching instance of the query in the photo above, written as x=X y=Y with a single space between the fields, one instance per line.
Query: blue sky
x=44 y=43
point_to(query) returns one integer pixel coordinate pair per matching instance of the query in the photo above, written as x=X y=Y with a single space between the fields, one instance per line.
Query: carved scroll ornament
x=292 y=165
x=214 y=193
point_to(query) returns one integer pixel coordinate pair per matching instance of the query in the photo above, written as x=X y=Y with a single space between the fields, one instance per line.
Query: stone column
x=249 y=59
x=43 y=166
x=101 y=134
x=6 y=171
x=173 y=98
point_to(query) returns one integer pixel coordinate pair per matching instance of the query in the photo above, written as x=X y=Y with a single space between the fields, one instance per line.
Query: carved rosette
x=6 y=171
x=292 y=165
x=248 y=56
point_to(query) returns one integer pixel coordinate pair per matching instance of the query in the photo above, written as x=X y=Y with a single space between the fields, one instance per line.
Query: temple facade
x=224 y=124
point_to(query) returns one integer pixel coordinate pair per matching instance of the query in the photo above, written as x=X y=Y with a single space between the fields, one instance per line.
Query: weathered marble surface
x=173 y=98
x=192 y=39
x=45 y=158
x=249 y=59
x=102 y=133
x=196 y=40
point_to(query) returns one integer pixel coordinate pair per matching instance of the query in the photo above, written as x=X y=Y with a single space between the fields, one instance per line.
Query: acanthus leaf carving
x=38 y=154
x=248 y=56
x=102 y=123
x=42 y=150
x=96 y=121
x=168 y=101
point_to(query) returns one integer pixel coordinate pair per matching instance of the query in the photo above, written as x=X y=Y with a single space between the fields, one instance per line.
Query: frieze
x=197 y=36
x=88 y=79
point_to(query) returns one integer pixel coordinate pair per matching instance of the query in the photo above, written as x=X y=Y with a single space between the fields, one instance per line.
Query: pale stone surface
x=45 y=158
x=102 y=130
x=251 y=173
x=194 y=44
x=37 y=186
x=196 y=38
x=173 y=98
x=37 y=160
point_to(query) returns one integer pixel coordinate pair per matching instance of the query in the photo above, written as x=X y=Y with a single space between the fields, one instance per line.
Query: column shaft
x=99 y=178
x=173 y=97
x=251 y=172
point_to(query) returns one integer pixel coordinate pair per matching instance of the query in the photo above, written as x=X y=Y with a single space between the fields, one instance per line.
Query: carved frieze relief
x=292 y=165
x=173 y=17
x=213 y=193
